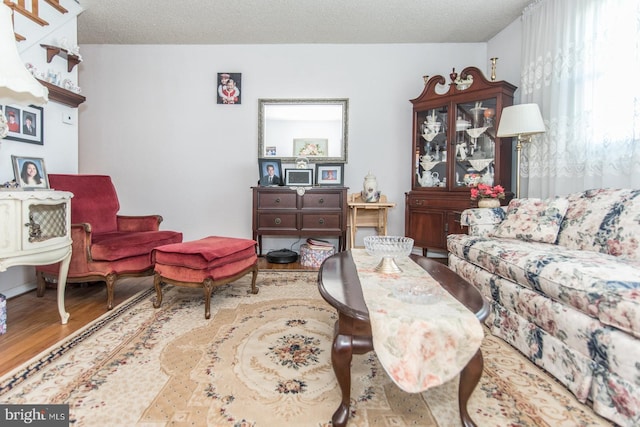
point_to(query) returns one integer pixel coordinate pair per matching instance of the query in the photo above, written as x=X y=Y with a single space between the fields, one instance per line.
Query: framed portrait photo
x=229 y=88
x=330 y=174
x=25 y=123
x=298 y=177
x=270 y=172
x=30 y=172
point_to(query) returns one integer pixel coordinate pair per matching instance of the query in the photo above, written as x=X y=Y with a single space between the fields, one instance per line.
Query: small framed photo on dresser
x=298 y=177
x=330 y=174
x=270 y=172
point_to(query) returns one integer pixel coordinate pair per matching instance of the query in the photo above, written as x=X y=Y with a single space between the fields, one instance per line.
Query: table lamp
x=17 y=85
x=523 y=121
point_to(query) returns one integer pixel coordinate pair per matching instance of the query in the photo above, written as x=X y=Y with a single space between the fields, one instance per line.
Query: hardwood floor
x=33 y=324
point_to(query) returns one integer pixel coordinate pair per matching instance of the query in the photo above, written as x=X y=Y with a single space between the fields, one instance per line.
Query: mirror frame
x=344 y=102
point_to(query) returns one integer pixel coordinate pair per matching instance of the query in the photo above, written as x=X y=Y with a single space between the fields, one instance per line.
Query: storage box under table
x=313 y=256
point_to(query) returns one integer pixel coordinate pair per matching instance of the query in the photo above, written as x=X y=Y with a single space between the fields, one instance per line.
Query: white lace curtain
x=581 y=65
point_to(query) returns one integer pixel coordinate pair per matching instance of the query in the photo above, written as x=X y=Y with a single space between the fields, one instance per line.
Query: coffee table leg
x=341 y=355
x=469 y=378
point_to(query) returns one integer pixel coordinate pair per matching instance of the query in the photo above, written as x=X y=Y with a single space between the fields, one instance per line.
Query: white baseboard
x=19 y=290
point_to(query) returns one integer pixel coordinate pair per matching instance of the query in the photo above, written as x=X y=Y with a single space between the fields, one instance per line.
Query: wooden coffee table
x=339 y=285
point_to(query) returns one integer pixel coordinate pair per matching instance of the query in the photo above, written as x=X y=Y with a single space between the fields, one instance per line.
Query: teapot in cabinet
x=429 y=179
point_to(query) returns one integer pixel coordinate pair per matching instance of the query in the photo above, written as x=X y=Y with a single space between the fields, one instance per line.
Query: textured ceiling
x=293 y=21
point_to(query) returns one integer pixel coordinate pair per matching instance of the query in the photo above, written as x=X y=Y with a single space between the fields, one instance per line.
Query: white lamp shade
x=521 y=119
x=17 y=85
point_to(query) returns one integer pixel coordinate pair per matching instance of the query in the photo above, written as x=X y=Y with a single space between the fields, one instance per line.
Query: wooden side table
x=363 y=214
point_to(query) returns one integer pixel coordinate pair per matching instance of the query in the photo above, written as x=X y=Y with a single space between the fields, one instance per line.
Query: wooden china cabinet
x=454 y=148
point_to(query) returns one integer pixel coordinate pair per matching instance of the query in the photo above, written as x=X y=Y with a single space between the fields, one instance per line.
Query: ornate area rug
x=260 y=360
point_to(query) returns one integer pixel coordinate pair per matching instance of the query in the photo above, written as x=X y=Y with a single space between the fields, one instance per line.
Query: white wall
x=506 y=46
x=151 y=121
x=60 y=149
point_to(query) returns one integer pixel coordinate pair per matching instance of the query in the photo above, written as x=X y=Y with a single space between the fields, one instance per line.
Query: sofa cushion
x=603 y=220
x=533 y=220
x=600 y=285
x=120 y=245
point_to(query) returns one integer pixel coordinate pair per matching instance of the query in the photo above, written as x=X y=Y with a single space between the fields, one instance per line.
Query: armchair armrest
x=139 y=223
x=482 y=221
x=81 y=243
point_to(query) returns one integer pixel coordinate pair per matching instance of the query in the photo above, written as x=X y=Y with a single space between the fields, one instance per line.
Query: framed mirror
x=312 y=128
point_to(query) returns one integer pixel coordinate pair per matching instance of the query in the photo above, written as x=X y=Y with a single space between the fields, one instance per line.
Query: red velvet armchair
x=106 y=246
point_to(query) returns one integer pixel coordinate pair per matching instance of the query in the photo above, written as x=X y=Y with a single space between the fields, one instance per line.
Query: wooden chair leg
x=208 y=288
x=42 y=284
x=111 y=282
x=254 y=290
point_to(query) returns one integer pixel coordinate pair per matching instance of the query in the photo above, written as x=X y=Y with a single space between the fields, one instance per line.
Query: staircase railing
x=31 y=12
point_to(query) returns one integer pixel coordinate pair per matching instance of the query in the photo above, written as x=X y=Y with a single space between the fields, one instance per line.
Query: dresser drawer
x=277 y=221
x=320 y=221
x=273 y=200
x=322 y=201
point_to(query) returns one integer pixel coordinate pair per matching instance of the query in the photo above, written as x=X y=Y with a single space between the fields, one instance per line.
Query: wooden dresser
x=281 y=211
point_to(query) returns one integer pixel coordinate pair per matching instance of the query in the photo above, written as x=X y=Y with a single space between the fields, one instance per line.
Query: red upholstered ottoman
x=205 y=263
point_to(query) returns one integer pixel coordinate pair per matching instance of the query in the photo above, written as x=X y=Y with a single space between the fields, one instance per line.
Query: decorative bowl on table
x=388 y=248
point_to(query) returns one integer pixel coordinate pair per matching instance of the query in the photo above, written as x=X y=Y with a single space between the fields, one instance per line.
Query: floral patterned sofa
x=563 y=278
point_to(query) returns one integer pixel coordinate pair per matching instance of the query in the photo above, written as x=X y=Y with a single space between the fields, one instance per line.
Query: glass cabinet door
x=431 y=152
x=474 y=143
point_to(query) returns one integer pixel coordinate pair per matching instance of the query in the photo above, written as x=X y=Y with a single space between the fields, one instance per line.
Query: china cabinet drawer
x=278 y=221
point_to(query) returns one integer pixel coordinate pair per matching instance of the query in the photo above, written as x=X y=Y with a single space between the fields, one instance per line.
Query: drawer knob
x=278 y=221
x=321 y=221
x=321 y=201
x=418 y=202
x=278 y=200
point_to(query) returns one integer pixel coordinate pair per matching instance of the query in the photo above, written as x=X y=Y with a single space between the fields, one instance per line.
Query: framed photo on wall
x=330 y=174
x=270 y=172
x=30 y=172
x=25 y=123
x=301 y=177
x=229 y=88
